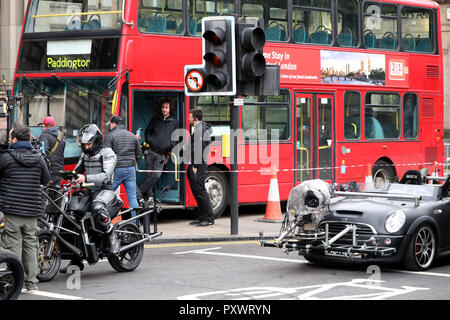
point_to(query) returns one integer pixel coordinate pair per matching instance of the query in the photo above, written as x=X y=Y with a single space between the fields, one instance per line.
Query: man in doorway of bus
x=54 y=143
x=96 y=166
x=22 y=172
x=196 y=171
x=128 y=151
x=158 y=135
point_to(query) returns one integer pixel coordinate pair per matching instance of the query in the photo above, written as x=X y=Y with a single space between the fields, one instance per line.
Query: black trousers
x=153 y=161
x=197 y=183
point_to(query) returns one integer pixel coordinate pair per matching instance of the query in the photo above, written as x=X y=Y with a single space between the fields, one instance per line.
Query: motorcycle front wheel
x=11 y=275
x=48 y=268
x=130 y=259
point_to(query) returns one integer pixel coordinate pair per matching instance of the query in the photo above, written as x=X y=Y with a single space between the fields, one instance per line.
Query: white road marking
x=54 y=295
x=208 y=251
x=422 y=273
x=314 y=292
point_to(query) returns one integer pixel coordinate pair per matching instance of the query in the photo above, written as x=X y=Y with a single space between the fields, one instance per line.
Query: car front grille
x=363 y=232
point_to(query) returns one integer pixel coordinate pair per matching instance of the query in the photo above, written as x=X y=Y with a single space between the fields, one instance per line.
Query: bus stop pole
x=234 y=208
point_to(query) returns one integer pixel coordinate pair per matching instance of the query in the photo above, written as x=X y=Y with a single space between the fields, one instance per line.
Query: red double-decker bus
x=361 y=83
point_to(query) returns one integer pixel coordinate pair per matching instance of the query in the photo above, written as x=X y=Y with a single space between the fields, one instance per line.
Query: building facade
x=11 y=20
x=445 y=25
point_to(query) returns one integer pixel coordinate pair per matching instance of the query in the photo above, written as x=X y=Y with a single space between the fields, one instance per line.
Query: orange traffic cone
x=368 y=183
x=273 y=208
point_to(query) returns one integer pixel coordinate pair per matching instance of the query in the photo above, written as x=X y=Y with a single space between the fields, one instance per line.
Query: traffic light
x=219 y=55
x=217 y=75
x=254 y=77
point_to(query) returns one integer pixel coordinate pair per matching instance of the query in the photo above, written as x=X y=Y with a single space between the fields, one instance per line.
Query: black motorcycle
x=11 y=271
x=70 y=232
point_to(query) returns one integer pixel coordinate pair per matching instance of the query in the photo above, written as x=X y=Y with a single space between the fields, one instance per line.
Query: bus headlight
x=395 y=221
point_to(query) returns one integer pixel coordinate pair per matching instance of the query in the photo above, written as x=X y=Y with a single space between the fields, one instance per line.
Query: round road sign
x=194 y=80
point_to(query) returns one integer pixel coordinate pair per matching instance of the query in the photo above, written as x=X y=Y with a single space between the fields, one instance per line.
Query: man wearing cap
x=128 y=151
x=54 y=144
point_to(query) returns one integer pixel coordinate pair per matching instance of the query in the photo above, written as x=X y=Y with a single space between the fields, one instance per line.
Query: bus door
x=145 y=106
x=314 y=137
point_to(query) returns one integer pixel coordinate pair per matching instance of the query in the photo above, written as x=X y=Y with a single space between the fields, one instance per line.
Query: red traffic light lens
x=215 y=36
x=216 y=58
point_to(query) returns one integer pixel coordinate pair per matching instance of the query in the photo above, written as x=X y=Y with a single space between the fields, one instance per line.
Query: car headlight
x=395 y=221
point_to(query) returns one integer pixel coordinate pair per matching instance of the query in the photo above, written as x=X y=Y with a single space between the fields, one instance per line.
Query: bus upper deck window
x=73 y=15
x=347 y=22
x=274 y=14
x=380 y=26
x=312 y=22
x=160 y=16
x=199 y=9
x=417 y=30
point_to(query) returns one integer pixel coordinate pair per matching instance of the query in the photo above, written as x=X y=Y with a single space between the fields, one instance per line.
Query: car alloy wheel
x=425 y=246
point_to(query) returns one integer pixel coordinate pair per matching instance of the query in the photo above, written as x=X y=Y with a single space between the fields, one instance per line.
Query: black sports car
x=406 y=222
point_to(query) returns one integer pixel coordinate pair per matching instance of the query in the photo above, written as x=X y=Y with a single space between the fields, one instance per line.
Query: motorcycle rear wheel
x=128 y=260
x=11 y=275
x=48 y=268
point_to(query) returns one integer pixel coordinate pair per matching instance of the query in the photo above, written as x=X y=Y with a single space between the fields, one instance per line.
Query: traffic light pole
x=234 y=208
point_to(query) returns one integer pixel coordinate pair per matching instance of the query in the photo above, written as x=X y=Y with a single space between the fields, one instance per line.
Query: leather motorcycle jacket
x=98 y=169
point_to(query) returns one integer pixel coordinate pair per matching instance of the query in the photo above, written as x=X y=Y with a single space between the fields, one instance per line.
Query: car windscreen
x=425 y=190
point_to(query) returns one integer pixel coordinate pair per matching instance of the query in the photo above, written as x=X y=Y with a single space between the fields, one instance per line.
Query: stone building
x=445 y=25
x=11 y=20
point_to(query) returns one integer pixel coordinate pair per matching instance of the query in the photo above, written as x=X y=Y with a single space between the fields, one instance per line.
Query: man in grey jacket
x=128 y=151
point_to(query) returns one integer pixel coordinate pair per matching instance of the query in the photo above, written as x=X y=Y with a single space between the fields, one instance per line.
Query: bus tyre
x=216 y=185
x=383 y=173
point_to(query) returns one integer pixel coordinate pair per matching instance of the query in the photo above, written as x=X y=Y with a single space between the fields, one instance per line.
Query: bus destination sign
x=69 y=63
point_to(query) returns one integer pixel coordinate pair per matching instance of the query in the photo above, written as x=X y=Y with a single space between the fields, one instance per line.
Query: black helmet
x=90 y=133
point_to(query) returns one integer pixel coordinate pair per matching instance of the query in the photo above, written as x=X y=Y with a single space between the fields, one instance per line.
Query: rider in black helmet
x=96 y=166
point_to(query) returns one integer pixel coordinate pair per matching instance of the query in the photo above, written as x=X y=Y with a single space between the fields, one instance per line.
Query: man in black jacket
x=22 y=172
x=128 y=151
x=196 y=171
x=158 y=135
x=54 y=145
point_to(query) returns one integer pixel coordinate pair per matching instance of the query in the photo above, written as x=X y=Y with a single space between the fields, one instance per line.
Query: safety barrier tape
x=270 y=170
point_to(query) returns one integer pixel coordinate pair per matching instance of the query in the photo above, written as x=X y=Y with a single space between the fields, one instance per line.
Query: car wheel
x=383 y=174
x=216 y=185
x=421 y=250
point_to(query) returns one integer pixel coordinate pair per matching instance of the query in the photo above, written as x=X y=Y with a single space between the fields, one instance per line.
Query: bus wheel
x=383 y=174
x=217 y=187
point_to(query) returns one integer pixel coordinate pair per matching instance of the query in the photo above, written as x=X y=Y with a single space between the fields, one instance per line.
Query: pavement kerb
x=163 y=240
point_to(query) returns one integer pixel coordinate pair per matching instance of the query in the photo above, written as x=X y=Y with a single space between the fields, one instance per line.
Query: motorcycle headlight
x=395 y=221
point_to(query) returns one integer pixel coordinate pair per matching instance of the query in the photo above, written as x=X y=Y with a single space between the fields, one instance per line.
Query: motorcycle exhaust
x=135 y=244
x=72 y=248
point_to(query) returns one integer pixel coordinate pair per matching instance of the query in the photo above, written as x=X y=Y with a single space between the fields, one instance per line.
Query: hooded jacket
x=22 y=172
x=158 y=133
x=49 y=137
